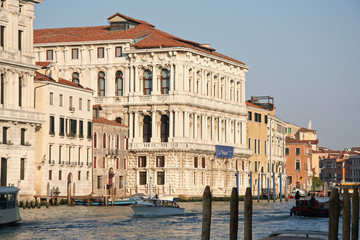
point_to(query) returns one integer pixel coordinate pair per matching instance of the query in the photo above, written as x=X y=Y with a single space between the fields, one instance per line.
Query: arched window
x=164 y=128
x=119 y=83
x=75 y=78
x=147 y=82
x=95 y=140
x=104 y=140
x=118 y=119
x=147 y=129
x=297 y=166
x=101 y=84
x=165 y=81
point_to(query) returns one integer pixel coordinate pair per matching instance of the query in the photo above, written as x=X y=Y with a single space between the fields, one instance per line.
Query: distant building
x=110 y=156
x=298 y=163
x=64 y=143
x=354 y=168
x=182 y=100
x=18 y=119
x=264 y=125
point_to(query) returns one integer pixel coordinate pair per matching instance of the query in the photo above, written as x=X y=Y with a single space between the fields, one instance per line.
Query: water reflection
x=83 y=222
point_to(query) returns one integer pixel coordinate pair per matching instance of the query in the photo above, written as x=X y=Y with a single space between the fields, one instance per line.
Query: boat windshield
x=7 y=200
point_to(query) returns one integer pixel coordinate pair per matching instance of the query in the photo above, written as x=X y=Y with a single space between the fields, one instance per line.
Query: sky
x=305 y=54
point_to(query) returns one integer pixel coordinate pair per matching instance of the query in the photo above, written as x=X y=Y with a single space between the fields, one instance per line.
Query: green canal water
x=100 y=222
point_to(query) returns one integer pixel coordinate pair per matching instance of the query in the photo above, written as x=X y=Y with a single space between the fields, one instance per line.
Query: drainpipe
x=35 y=92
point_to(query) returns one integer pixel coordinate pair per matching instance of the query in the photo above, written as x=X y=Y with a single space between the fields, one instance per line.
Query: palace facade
x=18 y=119
x=179 y=98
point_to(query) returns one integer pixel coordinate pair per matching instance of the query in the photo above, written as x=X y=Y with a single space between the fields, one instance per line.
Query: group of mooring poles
x=348 y=217
x=234 y=214
x=334 y=214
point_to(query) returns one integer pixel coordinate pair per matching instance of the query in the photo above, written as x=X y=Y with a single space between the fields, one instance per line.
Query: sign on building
x=224 y=151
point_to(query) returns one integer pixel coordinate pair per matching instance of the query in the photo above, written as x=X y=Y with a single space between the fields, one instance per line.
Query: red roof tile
x=102 y=120
x=306 y=130
x=42 y=77
x=292 y=140
x=43 y=64
x=152 y=37
x=249 y=104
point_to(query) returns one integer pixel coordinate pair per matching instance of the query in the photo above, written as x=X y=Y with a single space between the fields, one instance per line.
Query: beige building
x=179 y=98
x=18 y=119
x=268 y=158
x=110 y=156
x=63 y=162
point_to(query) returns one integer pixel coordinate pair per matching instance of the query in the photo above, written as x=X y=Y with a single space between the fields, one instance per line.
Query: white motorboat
x=156 y=207
x=9 y=209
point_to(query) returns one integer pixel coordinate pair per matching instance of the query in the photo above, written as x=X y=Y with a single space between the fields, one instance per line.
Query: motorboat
x=308 y=209
x=156 y=207
x=9 y=209
x=297 y=235
x=301 y=192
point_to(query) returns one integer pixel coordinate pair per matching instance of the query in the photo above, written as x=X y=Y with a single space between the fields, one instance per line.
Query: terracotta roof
x=147 y=34
x=42 y=77
x=293 y=140
x=43 y=64
x=131 y=19
x=306 y=130
x=249 y=104
x=102 y=120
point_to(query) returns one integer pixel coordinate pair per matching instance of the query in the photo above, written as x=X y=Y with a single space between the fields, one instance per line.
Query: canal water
x=100 y=222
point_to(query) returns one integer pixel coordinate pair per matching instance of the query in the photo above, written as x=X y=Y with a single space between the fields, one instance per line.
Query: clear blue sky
x=305 y=54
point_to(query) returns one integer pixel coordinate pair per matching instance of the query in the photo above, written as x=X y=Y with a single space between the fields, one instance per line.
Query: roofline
x=277 y=118
x=29 y=67
x=258 y=108
x=64 y=85
x=97 y=42
x=186 y=49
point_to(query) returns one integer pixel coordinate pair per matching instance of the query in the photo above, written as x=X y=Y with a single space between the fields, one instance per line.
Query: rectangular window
x=22 y=139
x=255 y=149
x=104 y=160
x=5 y=130
x=80 y=103
x=265 y=119
x=203 y=162
x=2 y=89
x=75 y=53
x=61 y=100
x=60 y=175
x=195 y=162
x=50 y=152
x=99 y=182
x=297 y=151
x=60 y=150
x=87 y=175
x=62 y=127
x=142 y=161
x=259 y=146
x=94 y=162
x=100 y=52
x=81 y=129
x=71 y=102
x=50 y=175
x=89 y=130
x=79 y=155
x=160 y=178
x=118 y=51
x=73 y=126
x=289 y=130
x=121 y=182
x=51 y=98
x=88 y=105
x=49 y=55
x=2 y=37
x=87 y=156
x=124 y=163
x=249 y=116
x=52 y=125
x=287 y=151
x=142 y=178
x=22 y=168
x=258 y=117
x=20 y=91
x=249 y=143
x=160 y=161
x=79 y=175
x=265 y=147
x=255 y=166
x=297 y=166
x=20 y=40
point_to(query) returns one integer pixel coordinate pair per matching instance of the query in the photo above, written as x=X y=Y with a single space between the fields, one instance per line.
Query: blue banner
x=224 y=151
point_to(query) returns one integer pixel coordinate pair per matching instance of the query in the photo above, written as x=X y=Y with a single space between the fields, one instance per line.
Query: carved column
x=136 y=126
x=154 y=133
x=220 y=129
x=154 y=80
x=131 y=125
x=171 y=126
x=195 y=126
x=131 y=80
x=212 y=128
x=172 y=86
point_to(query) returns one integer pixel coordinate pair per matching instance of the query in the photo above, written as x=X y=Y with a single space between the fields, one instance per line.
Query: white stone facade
x=18 y=119
x=63 y=160
x=202 y=104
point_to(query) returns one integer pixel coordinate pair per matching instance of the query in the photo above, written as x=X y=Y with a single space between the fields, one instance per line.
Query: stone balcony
x=21 y=116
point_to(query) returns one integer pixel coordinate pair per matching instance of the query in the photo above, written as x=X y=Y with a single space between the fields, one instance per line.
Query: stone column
x=109 y=82
x=171 y=126
x=136 y=126
x=220 y=129
x=154 y=134
x=194 y=80
x=172 y=86
x=236 y=140
x=206 y=128
x=137 y=81
x=126 y=81
x=131 y=80
x=227 y=130
x=186 y=125
x=186 y=78
x=212 y=128
x=154 y=80
x=219 y=86
x=242 y=87
x=195 y=126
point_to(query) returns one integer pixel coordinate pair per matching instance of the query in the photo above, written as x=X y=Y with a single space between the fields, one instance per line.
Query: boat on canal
x=156 y=207
x=297 y=235
x=9 y=209
x=305 y=208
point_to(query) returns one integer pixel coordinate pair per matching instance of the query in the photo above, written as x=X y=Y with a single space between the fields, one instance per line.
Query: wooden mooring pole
x=346 y=215
x=334 y=213
x=248 y=215
x=234 y=214
x=206 y=220
x=355 y=215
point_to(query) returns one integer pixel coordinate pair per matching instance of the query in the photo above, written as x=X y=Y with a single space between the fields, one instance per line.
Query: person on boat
x=297 y=197
x=312 y=201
